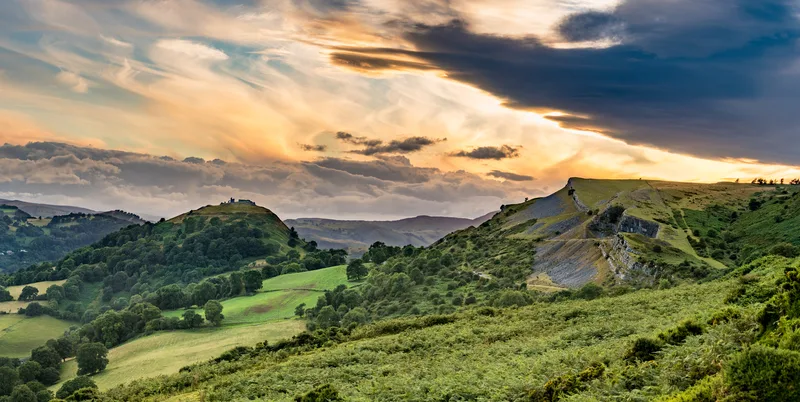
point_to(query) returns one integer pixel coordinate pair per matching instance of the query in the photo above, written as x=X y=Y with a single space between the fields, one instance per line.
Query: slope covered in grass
x=279 y=296
x=167 y=352
x=19 y=334
x=475 y=355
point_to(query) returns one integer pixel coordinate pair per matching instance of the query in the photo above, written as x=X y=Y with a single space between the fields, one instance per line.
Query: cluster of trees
x=772 y=182
x=89 y=344
x=165 y=263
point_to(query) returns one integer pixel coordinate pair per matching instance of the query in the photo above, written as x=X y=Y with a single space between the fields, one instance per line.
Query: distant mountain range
x=357 y=236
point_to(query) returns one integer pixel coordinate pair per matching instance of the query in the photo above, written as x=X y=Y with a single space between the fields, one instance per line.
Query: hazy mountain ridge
x=358 y=235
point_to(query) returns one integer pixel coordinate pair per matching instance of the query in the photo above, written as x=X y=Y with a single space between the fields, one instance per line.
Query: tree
x=55 y=293
x=300 y=310
x=269 y=272
x=73 y=385
x=5 y=295
x=237 y=284
x=49 y=376
x=34 y=309
x=192 y=319
x=28 y=293
x=252 y=281
x=44 y=395
x=29 y=371
x=92 y=358
x=327 y=317
x=213 y=312
x=357 y=316
x=203 y=292
x=46 y=356
x=22 y=393
x=10 y=377
x=356 y=270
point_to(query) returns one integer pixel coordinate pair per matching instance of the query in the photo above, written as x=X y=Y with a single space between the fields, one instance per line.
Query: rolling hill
x=609 y=231
x=357 y=236
x=45 y=210
x=26 y=240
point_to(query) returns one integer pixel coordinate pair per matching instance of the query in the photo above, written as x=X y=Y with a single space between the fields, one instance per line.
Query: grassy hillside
x=477 y=355
x=279 y=296
x=269 y=314
x=167 y=352
x=19 y=334
x=357 y=236
x=728 y=339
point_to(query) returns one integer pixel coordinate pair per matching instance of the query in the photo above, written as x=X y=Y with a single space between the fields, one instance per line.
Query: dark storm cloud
x=396 y=169
x=373 y=147
x=404 y=146
x=313 y=148
x=509 y=176
x=714 y=78
x=496 y=153
x=195 y=160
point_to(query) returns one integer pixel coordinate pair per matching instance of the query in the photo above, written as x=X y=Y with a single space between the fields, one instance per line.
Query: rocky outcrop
x=574 y=194
x=622 y=259
x=631 y=224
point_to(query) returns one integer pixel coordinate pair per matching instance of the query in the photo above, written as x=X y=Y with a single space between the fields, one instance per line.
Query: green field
x=42 y=286
x=267 y=315
x=167 y=352
x=13 y=306
x=19 y=334
x=279 y=296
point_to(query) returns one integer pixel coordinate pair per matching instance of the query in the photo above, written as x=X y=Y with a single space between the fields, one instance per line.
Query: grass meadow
x=19 y=334
x=279 y=296
x=167 y=352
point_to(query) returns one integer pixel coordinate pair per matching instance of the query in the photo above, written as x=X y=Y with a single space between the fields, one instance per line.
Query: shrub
x=73 y=385
x=644 y=349
x=566 y=384
x=323 y=393
x=765 y=374
x=784 y=249
x=674 y=336
x=589 y=291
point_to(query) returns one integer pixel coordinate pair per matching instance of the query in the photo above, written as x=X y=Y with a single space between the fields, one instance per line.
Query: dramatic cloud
x=699 y=77
x=331 y=187
x=377 y=147
x=509 y=176
x=496 y=153
x=313 y=148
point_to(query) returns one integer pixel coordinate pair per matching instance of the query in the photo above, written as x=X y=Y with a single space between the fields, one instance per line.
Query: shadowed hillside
x=357 y=236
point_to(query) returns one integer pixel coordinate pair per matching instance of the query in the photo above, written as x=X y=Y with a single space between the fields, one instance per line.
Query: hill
x=357 y=236
x=26 y=240
x=612 y=231
x=216 y=252
x=45 y=210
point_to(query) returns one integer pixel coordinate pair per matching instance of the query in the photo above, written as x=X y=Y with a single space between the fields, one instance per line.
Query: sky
x=383 y=109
